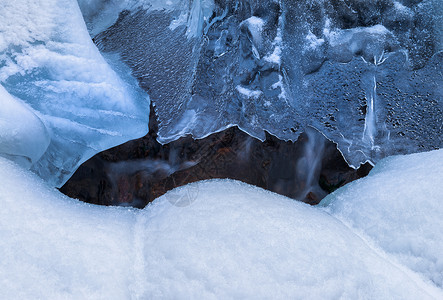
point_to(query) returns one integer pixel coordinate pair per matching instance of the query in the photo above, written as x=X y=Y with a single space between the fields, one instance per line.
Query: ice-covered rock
x=399 y=205
x=48 y=61
x=364 y=73
x=213 y=239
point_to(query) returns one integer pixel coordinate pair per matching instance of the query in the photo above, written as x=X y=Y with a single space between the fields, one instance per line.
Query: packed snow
x=376 y=239
x=73 y=97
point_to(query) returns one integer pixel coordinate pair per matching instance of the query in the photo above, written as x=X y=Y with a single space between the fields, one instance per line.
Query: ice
x=367 y=42
x=365 y=74
x=225 y=239
x=48 y=61
x=399 y=206
x=24 y=138
x=100 y=14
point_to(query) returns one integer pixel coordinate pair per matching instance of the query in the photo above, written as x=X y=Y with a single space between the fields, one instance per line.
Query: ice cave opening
x=139 y=171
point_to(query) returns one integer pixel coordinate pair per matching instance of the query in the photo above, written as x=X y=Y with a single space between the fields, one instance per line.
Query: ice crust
x=226 y=239
x=49 y=62
x=365 y=74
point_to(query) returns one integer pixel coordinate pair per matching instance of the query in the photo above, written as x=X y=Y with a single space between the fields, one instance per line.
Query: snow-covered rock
x=48 y=61
x=211 y=239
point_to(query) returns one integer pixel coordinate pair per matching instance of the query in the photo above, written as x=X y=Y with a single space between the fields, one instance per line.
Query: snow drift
x=225 y=239
x=399 y=205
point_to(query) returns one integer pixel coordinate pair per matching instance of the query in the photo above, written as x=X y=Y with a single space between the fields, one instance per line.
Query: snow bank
x=399 y=205
x=238 y=241
x=213 y=239
x=48 y=61
x=53 y=247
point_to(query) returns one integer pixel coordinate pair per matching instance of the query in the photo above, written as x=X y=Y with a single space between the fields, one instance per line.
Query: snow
x=255 y=27
x=53 y=247
x=226 y=239
x=48 y=61
x=280 y=84
x=314 y=41
x=275 y=56
x=249 y=93
x=399 y=207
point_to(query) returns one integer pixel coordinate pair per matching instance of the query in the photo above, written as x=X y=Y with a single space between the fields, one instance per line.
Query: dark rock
x=137 y=172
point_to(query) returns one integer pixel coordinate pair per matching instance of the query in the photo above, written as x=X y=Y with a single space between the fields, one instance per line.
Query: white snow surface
x=400 y=207
x=49 y=62
x=249 y=93
x=255 y=26
x=224 y=239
